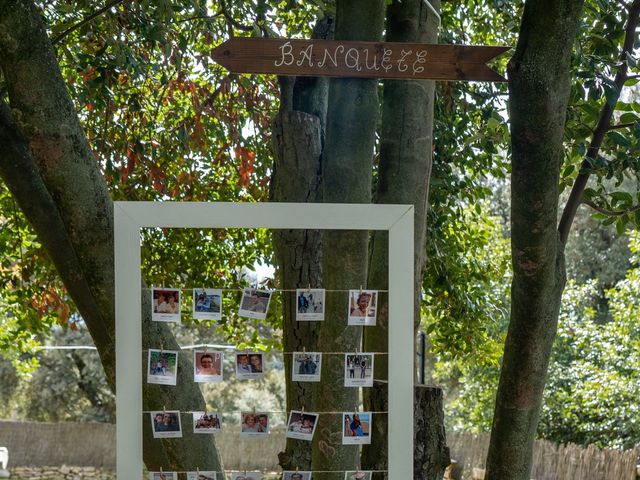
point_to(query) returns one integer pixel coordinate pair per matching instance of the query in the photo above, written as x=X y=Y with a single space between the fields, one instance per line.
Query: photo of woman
x=362 y=307
x=356 y=428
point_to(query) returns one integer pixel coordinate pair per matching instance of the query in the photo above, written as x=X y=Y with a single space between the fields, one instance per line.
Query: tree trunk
x=539 y=92
x=347 y=170
x=403 y=178
x=47 y=163
x=430 y=451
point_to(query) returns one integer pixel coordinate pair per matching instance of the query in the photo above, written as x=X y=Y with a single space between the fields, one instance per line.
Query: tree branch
x=233 y=22
x=623 y=4
x=84 y=21
x=620 y=126
x=575 y=197
x=610 y=213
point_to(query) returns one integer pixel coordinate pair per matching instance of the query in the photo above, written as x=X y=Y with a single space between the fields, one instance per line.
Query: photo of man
x=362 y=307
x=254 y=303
x=207 y=304
x=207 y=366
x=310 y=304
x=166 y=424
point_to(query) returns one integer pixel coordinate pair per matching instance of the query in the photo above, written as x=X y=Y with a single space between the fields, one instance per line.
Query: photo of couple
x=165 y=305
x=166 y=424
x=162 y=367
x=249 y=365
x=310 y=304
x=358 y=370
x=207 y=304
x=306 y=366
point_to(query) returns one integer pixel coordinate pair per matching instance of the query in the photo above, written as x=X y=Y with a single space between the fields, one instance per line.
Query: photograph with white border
x=166 y=424
x=310 y=304
x=165 y=305
x=249 y=365
x=363 y=307
x=357 y=475
x=163 y=476
x=246 y=476
x=302 y=425
x=201 y=475
x=207 y=303
x=162 y=367
x=306 y=366
x=254 y=424
x=206 y=422
x=254 y=303
x=207 y=366
x=358 y=369
x=356 y=428
x=296 y=475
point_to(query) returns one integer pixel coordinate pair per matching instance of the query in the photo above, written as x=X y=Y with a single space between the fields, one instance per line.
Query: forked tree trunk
x=403 y=178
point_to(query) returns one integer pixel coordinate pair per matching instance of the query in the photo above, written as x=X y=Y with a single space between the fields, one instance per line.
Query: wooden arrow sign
x=334 y=58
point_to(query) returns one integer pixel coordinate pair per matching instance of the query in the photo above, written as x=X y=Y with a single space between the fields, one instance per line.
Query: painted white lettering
x=421 y=57
x=386 y=59
x=333 y=60
x=305 y=55
x=402 y=66
x=287 y=56
x=352 y=59
x=375 y=61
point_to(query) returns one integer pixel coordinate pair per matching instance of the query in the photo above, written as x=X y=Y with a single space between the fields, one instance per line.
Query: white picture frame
x=130 y=217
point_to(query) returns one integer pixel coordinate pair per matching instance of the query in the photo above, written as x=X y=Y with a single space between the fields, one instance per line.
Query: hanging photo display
x=201 y=475
x=249 y=366
x=254 y=424
x=301 y=425
x=358 y=369
x=357 y=475
x=206 y=422
x=207 y=366
x=362 y=307
x=296 y=475
x=165 y=305
x=207 y=303
x=310 y=305
x=254 y=303
x=163 y=476
x=246 y=476
x=166 y=424
x=306 y=366
x=356 y=428
x=162 y=367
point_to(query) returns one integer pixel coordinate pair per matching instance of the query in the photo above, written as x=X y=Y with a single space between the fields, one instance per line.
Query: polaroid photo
x=206 y=422
x=207 y=304
x=306 y=366
x=362 y=307
x=165 y=305
x=310 y=305
x=296 y=475
x=357 y=475
x=163 y=476
x=358 y=370
x=254 y=424
x=162 y=367
x=207 y=366
x=166 y=424
x=302 y=425
x=356 y=428
x=246 y=476
x=201 y=475
x=254 y=303
x=249 y=366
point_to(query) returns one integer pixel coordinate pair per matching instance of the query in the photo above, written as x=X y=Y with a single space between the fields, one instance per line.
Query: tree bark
x=539 y=92
x=47 y=163
x=431 y=454
x=403 y=178
x=347 y=171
